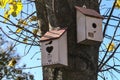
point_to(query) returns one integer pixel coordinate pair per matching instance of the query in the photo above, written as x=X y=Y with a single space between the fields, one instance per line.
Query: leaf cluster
x=8 y=71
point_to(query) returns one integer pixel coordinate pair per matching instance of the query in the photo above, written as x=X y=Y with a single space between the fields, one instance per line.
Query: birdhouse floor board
x=56 y=65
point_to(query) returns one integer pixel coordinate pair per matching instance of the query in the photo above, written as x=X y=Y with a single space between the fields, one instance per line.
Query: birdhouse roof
x=53 y=34
x=89 y=12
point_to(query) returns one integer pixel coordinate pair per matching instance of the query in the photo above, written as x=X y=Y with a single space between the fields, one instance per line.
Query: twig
x=109 y=57
x=105 y=27
x=109 y=46
x=30 y=67
x=17 y=40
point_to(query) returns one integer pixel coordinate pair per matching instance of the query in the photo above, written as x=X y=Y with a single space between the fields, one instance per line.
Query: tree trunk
x=82 y=59
x=42 y=16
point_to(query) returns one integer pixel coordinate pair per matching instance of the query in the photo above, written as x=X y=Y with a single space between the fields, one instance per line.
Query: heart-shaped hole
x=49 y=49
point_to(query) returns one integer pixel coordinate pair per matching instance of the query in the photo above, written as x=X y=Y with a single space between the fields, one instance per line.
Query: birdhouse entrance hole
x=49 y=49
x=94 y=25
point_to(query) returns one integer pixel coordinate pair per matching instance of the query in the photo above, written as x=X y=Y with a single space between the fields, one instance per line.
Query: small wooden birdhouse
x=89 y=26
x=54 y=48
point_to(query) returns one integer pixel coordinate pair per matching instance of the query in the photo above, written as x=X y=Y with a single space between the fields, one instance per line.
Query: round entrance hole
x=94 y=25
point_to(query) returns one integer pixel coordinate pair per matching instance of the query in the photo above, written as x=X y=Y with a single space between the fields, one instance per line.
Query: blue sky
x=20 y=49
x=110 y=31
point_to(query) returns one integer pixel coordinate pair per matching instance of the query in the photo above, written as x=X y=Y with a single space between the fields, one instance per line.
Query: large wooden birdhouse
x=89 y=26
x=54 y=48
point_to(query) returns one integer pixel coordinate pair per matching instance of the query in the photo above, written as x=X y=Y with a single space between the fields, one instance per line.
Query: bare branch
x=109 y=46
x=105 y=27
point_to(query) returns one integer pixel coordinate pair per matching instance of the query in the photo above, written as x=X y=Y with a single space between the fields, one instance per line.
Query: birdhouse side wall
x=63 y=57
x=49 y=57
x=94 y=29
x=81 y=27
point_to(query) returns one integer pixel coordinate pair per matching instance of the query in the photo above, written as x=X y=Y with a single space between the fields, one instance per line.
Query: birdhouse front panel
x=94 y=29
x=49 y=52
x=54 y=48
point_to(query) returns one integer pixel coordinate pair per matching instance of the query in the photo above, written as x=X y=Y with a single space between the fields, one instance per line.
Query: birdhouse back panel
x=94 y=29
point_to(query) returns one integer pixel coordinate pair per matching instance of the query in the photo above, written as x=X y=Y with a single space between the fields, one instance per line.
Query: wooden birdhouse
x=89 y=26
x=54 y=48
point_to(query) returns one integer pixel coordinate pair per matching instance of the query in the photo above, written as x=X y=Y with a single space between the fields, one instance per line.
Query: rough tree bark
x=82 y=59
x=42 y=16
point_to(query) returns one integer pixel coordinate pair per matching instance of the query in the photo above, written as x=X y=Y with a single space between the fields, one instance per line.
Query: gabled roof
x=53 y=34
x=89 y=12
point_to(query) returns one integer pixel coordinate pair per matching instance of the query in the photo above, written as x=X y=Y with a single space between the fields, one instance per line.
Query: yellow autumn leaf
x=12 y=62
x=33 y=18
x=25 y=40
x=22 y=22
x=117 y=4
x=3 y=3
x=19 y=7
x=16 y=6
x=11 y=1
x=25 y=23
x=7 y=15
x=34 y=31
x=111 y=47
x=19 y=30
